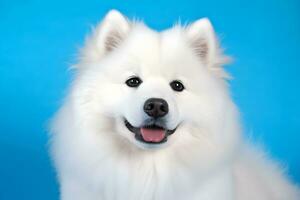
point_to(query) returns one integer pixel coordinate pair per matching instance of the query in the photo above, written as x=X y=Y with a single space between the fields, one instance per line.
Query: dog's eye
x=177 y=85
x=134 y=81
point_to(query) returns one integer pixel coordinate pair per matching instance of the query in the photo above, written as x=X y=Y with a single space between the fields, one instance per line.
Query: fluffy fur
x=98 y=158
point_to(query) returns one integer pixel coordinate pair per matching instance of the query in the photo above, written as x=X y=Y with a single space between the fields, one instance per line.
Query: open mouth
x=151 y=134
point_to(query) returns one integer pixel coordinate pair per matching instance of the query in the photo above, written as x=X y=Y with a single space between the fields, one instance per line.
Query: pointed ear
x=107 y=36
x=112 y=31
x=203 y=40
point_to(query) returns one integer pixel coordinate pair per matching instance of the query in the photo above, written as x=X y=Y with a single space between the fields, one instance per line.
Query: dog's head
x=155 y=89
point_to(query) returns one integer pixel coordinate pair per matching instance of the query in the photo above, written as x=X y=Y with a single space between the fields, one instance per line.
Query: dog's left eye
x=133 y=81
x=177 y=85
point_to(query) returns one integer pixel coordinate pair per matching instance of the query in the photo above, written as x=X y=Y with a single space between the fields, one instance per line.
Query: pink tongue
x=153 y=135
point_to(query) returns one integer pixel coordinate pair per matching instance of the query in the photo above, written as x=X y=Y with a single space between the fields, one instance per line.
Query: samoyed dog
x=149 y=117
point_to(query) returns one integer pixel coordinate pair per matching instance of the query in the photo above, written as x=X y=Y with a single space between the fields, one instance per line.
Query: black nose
x=155 y=107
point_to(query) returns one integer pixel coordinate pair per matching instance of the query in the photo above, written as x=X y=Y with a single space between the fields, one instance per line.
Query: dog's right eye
x=134 y=81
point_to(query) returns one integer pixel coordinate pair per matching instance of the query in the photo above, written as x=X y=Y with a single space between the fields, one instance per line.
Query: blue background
x=39 y=40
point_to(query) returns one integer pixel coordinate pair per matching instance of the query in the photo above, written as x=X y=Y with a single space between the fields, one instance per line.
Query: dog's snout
x=156 y=107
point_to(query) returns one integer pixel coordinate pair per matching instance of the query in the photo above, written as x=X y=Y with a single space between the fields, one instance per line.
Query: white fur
x=205 y=159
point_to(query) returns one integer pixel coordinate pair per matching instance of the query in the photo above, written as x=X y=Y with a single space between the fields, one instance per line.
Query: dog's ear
x=203 y=40
x=112 y=31
x=107 y=36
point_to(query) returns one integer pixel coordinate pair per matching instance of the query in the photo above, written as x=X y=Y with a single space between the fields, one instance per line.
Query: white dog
x=149 y=117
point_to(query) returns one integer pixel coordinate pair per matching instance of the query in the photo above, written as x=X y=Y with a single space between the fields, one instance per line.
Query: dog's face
x=153 y=89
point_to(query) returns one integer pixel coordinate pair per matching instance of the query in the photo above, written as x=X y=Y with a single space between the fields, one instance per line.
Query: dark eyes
x=135 y=81
x=177 y=85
